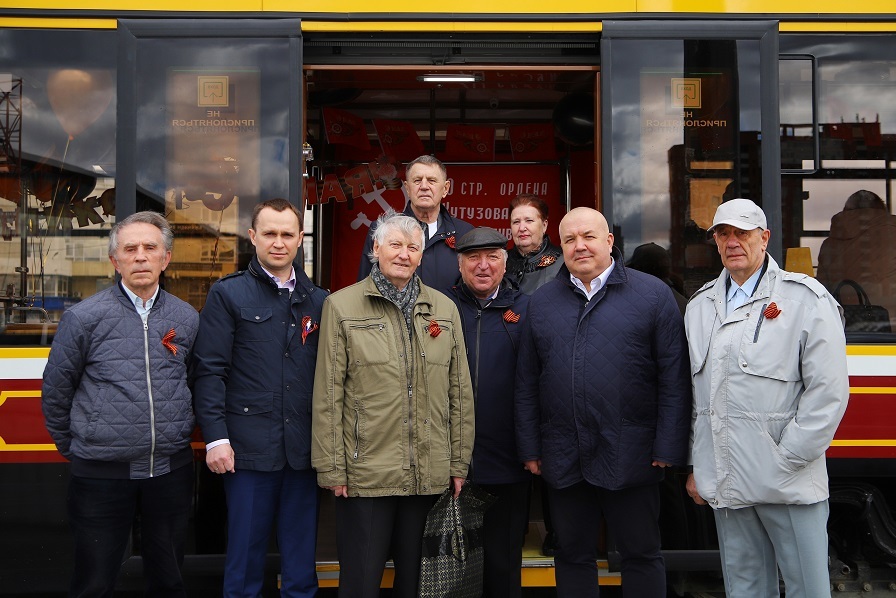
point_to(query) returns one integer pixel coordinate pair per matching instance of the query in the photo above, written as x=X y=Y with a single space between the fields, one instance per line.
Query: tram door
x=689 y=119
x=208 y=126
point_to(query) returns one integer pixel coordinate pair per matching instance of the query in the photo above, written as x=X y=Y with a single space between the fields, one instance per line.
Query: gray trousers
x=756 y=541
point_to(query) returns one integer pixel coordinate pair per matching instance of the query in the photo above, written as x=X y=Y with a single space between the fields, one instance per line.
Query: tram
x=653 y=112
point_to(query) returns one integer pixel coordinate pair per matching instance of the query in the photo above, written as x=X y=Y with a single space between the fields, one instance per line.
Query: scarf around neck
x=404 y=299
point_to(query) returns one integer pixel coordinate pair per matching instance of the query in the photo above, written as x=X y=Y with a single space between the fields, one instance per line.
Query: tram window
x=796 y=113
x=57 y=117
x=211 y=143
x=856 y=83
x=686 y=136
x=850 y=237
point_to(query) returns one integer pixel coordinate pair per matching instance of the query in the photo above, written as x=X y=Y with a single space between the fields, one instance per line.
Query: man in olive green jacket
x=393 y=416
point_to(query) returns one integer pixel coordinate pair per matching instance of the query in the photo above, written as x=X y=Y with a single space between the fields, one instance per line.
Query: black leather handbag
x=863 y=317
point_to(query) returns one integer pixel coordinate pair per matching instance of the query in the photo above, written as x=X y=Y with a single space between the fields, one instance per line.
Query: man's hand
x=533 y=466
x=661 y=464
x=339 y=490
x=220 y=459
x=691 y=486
x=458 y=484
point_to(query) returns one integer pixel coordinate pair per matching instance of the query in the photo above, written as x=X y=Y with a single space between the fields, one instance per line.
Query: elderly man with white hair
x=392 y=412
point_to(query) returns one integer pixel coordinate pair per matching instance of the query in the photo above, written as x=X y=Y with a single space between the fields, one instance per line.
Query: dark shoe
x=549 y=544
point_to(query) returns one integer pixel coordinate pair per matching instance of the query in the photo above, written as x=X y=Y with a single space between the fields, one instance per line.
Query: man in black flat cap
x=492 y=310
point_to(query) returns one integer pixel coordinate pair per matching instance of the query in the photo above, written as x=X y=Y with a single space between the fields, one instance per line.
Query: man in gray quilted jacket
x=117 y=404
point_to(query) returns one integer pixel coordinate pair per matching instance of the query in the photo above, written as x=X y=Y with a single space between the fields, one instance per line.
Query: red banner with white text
x=479 y=194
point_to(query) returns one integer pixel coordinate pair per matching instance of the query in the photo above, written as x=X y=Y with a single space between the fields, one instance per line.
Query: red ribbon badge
x=449 y=241
x=166 y=340
x=308 y=327
x=771 y=312
x=434 y=328
x=511 y=317
x=545 y=261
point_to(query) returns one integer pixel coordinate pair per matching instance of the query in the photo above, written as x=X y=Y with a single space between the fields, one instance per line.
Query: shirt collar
x=598 y=282
x=289 y=283
x=137 y=301
x=749 y=286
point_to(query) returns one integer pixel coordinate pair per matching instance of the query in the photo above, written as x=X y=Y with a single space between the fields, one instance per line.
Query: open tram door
x=507 y=112
x=689 y=119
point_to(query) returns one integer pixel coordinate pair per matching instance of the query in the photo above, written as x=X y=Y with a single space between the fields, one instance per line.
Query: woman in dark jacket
x=533 y=260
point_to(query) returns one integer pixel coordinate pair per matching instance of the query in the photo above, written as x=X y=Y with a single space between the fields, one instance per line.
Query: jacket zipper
x=478 y=333
x=357 y=434
x=152 y=410
x=408 y=371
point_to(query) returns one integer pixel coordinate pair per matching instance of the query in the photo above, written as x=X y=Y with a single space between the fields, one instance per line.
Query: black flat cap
x=482 y=237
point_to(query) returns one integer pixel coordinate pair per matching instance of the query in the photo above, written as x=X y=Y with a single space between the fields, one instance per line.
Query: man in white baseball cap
x=768 y=364
x=742 y=213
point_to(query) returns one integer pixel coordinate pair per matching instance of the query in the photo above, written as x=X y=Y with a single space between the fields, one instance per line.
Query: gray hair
x=390 y=221
x=147 y=217
x=427 y=160
x=460 y=256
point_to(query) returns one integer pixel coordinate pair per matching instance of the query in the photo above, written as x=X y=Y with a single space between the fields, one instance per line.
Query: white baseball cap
x=740 y=213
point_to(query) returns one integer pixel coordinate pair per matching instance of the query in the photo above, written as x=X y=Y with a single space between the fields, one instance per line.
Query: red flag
x=533 y=142
x=345 y=128
x=399 y=139
x=466 y=143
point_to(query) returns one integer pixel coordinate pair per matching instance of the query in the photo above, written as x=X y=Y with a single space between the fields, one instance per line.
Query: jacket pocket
x=369 y=343
x=698 y=351
x=438 y=349
x=255 y=324
x=759 y=471
x=775 y=358
x=249 y=415
x=770 y=350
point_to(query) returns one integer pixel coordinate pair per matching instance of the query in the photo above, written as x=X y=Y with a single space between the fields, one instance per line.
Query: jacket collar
x=619 y=275
x=447 y=227
x=424 y=299
x=508 y=291
x=126 y=299
x=303 y=283
x=546 y=248
x=719 y=293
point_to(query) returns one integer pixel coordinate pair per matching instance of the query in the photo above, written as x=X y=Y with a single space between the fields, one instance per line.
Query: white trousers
x=756 y=541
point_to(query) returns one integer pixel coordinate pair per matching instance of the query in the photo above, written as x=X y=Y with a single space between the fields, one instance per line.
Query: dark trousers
x=366 y=529
x=101 y=514
x=503 y=534
x=632 y=518
x=255 y=499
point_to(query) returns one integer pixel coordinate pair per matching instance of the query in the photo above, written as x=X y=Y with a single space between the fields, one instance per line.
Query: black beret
x=482 y=237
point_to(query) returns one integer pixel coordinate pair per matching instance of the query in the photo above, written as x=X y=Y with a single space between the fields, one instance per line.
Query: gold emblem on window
x=214 y=91
x=686 y=92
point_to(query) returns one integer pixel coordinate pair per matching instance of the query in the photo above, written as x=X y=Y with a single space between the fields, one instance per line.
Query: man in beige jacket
x=392 y=421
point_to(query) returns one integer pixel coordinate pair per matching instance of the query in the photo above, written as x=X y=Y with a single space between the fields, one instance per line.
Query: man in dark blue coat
x=426 y=185
x=603 y=405
x=255 y=357
x=493 y=309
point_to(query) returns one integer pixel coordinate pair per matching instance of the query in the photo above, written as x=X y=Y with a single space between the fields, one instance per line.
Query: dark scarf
x=404 y=299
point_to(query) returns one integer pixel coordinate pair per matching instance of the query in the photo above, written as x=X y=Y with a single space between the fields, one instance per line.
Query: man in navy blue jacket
x=426 y=185
x=603 y=405
x=255 y=357
x=493 y=309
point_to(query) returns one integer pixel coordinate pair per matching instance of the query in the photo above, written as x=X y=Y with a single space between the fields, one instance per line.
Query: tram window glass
x=212 y=118
x=686 y=135
x=851 y=235
x=57 y=168
x=308 y=243
x=795 y=108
